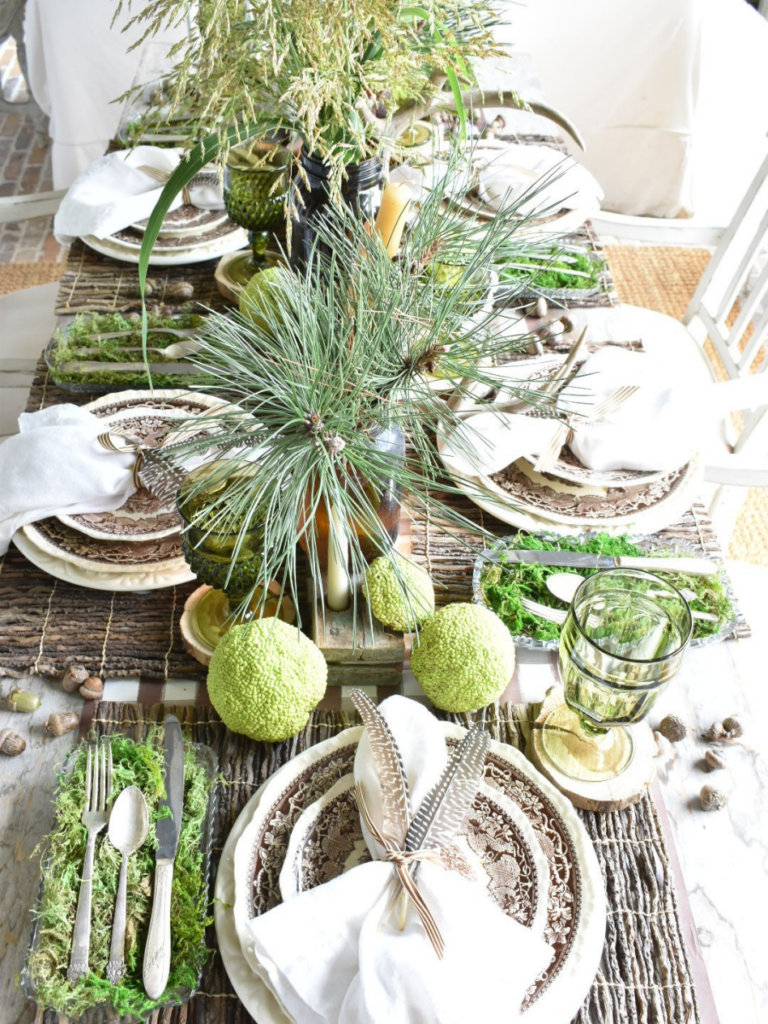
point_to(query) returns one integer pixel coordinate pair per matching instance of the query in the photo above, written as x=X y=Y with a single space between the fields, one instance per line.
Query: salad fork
x=98 y=799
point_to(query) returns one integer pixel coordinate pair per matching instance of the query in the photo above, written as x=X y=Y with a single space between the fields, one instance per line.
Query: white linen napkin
x=56 y=465
x=331 y=958
x=113 y=193
x=515 y=170
x=658 y=428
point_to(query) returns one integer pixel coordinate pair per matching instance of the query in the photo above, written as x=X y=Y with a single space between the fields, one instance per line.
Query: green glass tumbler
x=622 y=642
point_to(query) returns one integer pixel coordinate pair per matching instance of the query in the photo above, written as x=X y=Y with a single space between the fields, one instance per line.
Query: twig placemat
x=93 y=283
x=645 y=974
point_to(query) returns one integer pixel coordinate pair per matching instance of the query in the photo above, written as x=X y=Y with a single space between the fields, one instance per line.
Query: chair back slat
x=750 y=305
x=732 y=317
x=752 y=348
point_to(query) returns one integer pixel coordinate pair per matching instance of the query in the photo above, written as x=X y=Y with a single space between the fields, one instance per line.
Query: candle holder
x=224 y=553
x=622 y=643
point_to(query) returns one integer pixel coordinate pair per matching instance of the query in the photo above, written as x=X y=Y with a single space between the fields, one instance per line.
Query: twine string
x=402 y=860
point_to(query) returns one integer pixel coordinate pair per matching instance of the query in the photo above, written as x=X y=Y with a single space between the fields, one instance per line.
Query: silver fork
x=98 y=799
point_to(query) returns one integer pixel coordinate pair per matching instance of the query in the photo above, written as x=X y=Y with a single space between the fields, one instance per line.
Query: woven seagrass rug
x=664 y=278
x=15 y=277
x=645 y=974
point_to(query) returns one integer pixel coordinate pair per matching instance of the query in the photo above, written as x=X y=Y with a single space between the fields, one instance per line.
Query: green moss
x=137 y=764
x=553 y=272
x=72 y=342
x=504 y=586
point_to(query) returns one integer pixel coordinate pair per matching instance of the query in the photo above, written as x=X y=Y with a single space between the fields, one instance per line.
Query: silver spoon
x=565 y=584
x=128 y=826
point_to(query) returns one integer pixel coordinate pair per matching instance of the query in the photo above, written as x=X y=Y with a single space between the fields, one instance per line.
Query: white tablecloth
x=78 y=65
x=669 y=95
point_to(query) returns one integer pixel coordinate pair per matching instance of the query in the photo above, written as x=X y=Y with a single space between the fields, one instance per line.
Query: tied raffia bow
x=149 y=471
x=564 y=432
x=402 y=860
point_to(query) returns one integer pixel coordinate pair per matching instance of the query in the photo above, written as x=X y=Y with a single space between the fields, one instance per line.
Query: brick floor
x=25 y=167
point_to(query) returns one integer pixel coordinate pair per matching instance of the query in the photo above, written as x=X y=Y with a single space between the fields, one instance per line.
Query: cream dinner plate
x=212 y=250
x=139 y=414
x=493 y=499
x=327 y=841
x=576 y=908
x=127 y=581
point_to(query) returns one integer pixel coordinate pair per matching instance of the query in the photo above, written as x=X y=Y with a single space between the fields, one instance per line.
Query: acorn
x=74 y=678
x=567 y=323
x=11 y=744
x=715 y=760
x=733 y=727
x=673 y=728
x=542 y=308
x=715 y=732
x=23 y=701
x=179 y=290
x=712 y=799
x=92 y=688
x=59 y=724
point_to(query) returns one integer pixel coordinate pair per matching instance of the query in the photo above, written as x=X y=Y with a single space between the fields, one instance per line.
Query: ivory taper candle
x=338 y=559
x=391 y=217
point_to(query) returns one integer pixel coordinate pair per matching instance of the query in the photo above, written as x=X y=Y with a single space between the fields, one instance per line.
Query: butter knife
x=157 y=955
x=582 y=560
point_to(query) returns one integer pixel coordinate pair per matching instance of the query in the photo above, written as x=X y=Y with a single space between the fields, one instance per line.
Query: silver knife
x=157 y=955
x=582 y=560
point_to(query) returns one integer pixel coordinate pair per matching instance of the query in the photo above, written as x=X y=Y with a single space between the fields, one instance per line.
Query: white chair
x=26 y=318
x=735 y=458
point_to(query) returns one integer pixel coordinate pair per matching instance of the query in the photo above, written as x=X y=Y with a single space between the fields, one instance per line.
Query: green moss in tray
x=73 y=340
x=504 y=586
x=135 y=764
x=579 y=270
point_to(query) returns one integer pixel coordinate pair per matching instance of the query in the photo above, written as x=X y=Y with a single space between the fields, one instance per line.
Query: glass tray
x=102 y=1012
x=650 y=543
x=180 y=375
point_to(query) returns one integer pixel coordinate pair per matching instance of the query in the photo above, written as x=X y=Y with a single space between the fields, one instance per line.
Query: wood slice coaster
x=195 y=645
x=610 y=795
x=228 y=288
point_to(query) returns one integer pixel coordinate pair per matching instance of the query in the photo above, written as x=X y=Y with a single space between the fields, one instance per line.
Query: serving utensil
x=128 y=825
x=583 y=560
x=157 y=954
x=98 y=797
x=178 y=348
x=543 y=611
x=565 y=584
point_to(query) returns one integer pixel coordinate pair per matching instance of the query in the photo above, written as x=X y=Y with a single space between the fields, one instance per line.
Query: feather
x=396 y=798
x=446 y=805
x=160 y=477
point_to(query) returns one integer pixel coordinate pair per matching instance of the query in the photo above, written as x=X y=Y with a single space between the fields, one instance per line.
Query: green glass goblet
x=255 y=196
x=622 y=642
x=228 y=556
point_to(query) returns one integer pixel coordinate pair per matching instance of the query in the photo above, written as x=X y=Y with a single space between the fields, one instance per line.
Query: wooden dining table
x=719 y=860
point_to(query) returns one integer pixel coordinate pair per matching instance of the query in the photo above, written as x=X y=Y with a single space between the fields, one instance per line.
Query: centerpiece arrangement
x=337 y=378
x=345 y=80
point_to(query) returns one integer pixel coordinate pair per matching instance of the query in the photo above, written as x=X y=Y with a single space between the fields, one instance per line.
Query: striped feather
x=396 y=798
x=446 y=805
